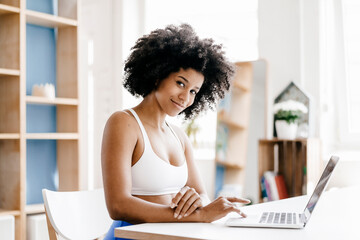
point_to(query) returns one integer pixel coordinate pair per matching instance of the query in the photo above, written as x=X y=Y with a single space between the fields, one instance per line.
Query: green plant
x=289 y=110
x=191 y=129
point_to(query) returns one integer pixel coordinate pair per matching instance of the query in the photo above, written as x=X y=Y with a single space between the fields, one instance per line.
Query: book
x=263 y=189
x=268 y=191
x=270 y=178
x=281 y=187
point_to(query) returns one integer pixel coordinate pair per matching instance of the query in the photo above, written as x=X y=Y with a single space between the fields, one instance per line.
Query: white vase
x=286 y=130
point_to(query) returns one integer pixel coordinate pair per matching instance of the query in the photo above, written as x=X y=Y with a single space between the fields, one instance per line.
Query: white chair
x=76 y=215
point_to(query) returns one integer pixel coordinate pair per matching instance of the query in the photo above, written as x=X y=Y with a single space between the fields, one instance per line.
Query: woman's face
x=178 y=90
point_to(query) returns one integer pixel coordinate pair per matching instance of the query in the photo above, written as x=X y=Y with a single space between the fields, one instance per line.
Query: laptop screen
x=324 y=179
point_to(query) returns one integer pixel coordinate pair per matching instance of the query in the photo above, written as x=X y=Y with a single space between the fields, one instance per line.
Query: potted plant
x=287 y=114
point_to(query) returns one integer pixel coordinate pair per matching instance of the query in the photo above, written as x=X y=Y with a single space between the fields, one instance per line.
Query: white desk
x=333 y=218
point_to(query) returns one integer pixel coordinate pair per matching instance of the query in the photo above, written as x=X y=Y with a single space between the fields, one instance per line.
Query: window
x=340 y=84
x=233 y=23
x=351 y=19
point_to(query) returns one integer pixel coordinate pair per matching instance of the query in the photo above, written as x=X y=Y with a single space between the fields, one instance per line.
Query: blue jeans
x=116 y=224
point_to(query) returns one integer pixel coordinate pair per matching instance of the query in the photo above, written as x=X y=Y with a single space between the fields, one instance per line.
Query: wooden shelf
x=4 y=9
x=225 y=118
x=232 y=134
x=298 y=161
x=9 y=136
x=278 y=140
x=55 y=101
x=20 y=47
x=34 y=209
x=53 y=136
x=9 y=72
x=229 y=165
x=48 y=20
x=241 y=87
x=9 y=212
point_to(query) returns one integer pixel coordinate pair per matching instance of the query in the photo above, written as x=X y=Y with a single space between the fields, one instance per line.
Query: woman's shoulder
x=181 y=135
x=123 y=121
x=120 y=116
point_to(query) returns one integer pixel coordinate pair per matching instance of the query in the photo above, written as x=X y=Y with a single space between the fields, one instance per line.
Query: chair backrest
x=77 y=214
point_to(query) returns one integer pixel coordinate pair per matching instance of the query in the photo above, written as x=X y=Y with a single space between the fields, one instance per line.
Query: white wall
x=279 y=44
x=289 y=41
x=100 y=37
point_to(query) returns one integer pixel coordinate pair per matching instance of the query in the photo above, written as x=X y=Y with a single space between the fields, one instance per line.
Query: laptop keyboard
x=278 y=218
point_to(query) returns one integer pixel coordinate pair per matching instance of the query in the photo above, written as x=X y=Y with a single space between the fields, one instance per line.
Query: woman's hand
x=186 y=201
x=221 y=207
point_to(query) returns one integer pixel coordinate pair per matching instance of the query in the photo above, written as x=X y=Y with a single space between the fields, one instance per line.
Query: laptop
x=288 y=219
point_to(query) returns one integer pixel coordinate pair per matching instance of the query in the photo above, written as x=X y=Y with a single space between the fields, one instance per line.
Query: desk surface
x=333 y=218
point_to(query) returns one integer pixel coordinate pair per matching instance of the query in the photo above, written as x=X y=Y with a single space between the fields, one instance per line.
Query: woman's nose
x=184 y=96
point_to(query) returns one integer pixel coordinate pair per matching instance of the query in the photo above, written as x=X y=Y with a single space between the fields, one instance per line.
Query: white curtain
x=332 y=72
x=334 y=119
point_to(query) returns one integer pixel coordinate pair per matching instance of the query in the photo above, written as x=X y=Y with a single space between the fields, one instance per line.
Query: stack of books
x=273 y=187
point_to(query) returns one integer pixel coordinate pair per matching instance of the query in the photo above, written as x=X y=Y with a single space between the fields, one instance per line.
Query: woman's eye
x=193 y=92
x=180 y=84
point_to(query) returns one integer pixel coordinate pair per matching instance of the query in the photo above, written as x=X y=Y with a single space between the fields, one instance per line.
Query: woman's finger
x=183 y=201
x=179 y=195
x=188 y=204
x=236 y=208
x=193 y=207
x=242 y=214
x=239 y=200
x=232 y=205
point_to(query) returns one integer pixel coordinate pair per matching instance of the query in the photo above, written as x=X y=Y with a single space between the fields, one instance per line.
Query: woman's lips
x=178 y=105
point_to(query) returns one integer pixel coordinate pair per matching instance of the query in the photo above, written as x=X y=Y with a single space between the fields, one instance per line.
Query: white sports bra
x=153 y=176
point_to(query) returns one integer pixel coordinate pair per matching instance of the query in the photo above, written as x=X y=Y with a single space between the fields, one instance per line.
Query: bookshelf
x=38 y=136
x=299 y=162
x=232 y=129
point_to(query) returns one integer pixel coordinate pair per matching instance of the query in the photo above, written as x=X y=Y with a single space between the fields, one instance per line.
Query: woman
x=148 y=167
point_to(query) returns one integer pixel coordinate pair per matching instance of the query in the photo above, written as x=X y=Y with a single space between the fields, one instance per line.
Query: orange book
x=280 y=184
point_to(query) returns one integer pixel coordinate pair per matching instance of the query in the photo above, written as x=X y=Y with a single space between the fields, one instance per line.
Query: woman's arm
x=120 y=138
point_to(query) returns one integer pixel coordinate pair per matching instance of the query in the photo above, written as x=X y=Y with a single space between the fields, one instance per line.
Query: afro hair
x=164 y=51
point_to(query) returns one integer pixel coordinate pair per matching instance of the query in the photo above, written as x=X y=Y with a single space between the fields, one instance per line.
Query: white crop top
x=153 y=176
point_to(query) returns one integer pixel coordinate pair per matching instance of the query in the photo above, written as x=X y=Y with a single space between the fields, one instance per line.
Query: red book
x=280 y=184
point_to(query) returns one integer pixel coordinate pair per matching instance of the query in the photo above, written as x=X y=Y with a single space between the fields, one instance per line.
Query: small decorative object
x=47 y=90
x=191 y=129
x=287 y=114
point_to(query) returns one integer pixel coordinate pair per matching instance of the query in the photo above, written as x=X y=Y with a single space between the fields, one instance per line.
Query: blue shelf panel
x=219 y=179
x=40 y=56
x=41 y=169
x=44 y=6
x=40 y=118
